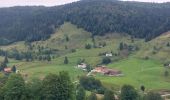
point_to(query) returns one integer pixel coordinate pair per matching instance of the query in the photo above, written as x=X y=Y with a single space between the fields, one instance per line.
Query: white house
x=82 y=66
x=109 y=54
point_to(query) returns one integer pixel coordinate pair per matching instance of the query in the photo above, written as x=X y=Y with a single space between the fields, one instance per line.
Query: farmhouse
x=82 y=66
x=106 y=71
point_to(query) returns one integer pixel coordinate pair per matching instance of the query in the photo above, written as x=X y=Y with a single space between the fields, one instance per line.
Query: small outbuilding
x=109 y=54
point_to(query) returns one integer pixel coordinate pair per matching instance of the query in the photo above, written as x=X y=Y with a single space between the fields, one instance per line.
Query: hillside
x=99 y=17
x=157 y=48
x=137 y=70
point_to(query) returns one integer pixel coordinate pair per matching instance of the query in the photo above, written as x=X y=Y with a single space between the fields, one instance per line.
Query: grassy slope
x=157 y=45
x=137 y=71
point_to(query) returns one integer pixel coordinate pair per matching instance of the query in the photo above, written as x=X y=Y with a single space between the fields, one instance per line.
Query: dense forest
x=141 y=20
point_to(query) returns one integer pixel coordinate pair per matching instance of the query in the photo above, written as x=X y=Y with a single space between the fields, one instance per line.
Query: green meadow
x=137 y=70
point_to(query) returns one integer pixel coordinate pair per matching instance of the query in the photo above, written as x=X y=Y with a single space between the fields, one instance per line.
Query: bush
x=73 y=50
x=91 y=84
x=128 y=93
x=106 y=60
x=66 y=60
x=88 y=46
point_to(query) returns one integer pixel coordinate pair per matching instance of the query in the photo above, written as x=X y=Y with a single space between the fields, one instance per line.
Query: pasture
x=137 y=71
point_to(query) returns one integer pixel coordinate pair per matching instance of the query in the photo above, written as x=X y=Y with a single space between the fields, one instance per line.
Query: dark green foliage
x=73 y=50
x=106 y=60
x=6 y=59
x=115 y=16
x=80 y=61
x=14 y=88
x=128 y=93
x=2 y=66
x=57 y=87
x=67 y=38
x=153 y=96
x=81 y=93
x=88 y=46
x=14 y=69
x=28 y=56
x=66 y=60
x=35 y=26
x=4 y=41
x=121 y=46
x=121 y=17
x=92 y=96
x=2 y=53
x=168 y=44
x=89 y=68
x=91 y=84
x=3 y=80
x=102 y=44
x=52 y=87
x=48 y=58
x=4 y=63
x=142 y=88
x=40 y=58
x=34 y=89
x=109 y=95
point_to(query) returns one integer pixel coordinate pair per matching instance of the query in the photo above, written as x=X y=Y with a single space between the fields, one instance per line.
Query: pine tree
x=14 y=69
x=142 y=88
x=67 y=38
x=6 y=59
x=121 y=46
x=66 y=60
x=168 y=44
x=2 y=66
x=48 y=58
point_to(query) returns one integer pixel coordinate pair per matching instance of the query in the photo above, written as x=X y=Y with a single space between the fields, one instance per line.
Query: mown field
x=137 y=71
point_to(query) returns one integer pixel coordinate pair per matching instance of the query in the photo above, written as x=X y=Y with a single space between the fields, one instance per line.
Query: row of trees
x=52 y=87
x=60 y=87
x=27 y=56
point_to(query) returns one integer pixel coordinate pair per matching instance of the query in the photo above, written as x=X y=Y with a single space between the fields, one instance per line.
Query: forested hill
x=142 y=20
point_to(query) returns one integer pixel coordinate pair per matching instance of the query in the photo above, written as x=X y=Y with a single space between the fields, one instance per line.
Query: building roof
x=8 y=69
x=106 y=70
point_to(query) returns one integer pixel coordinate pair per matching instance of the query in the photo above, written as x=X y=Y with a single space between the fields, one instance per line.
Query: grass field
x=136 y=70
